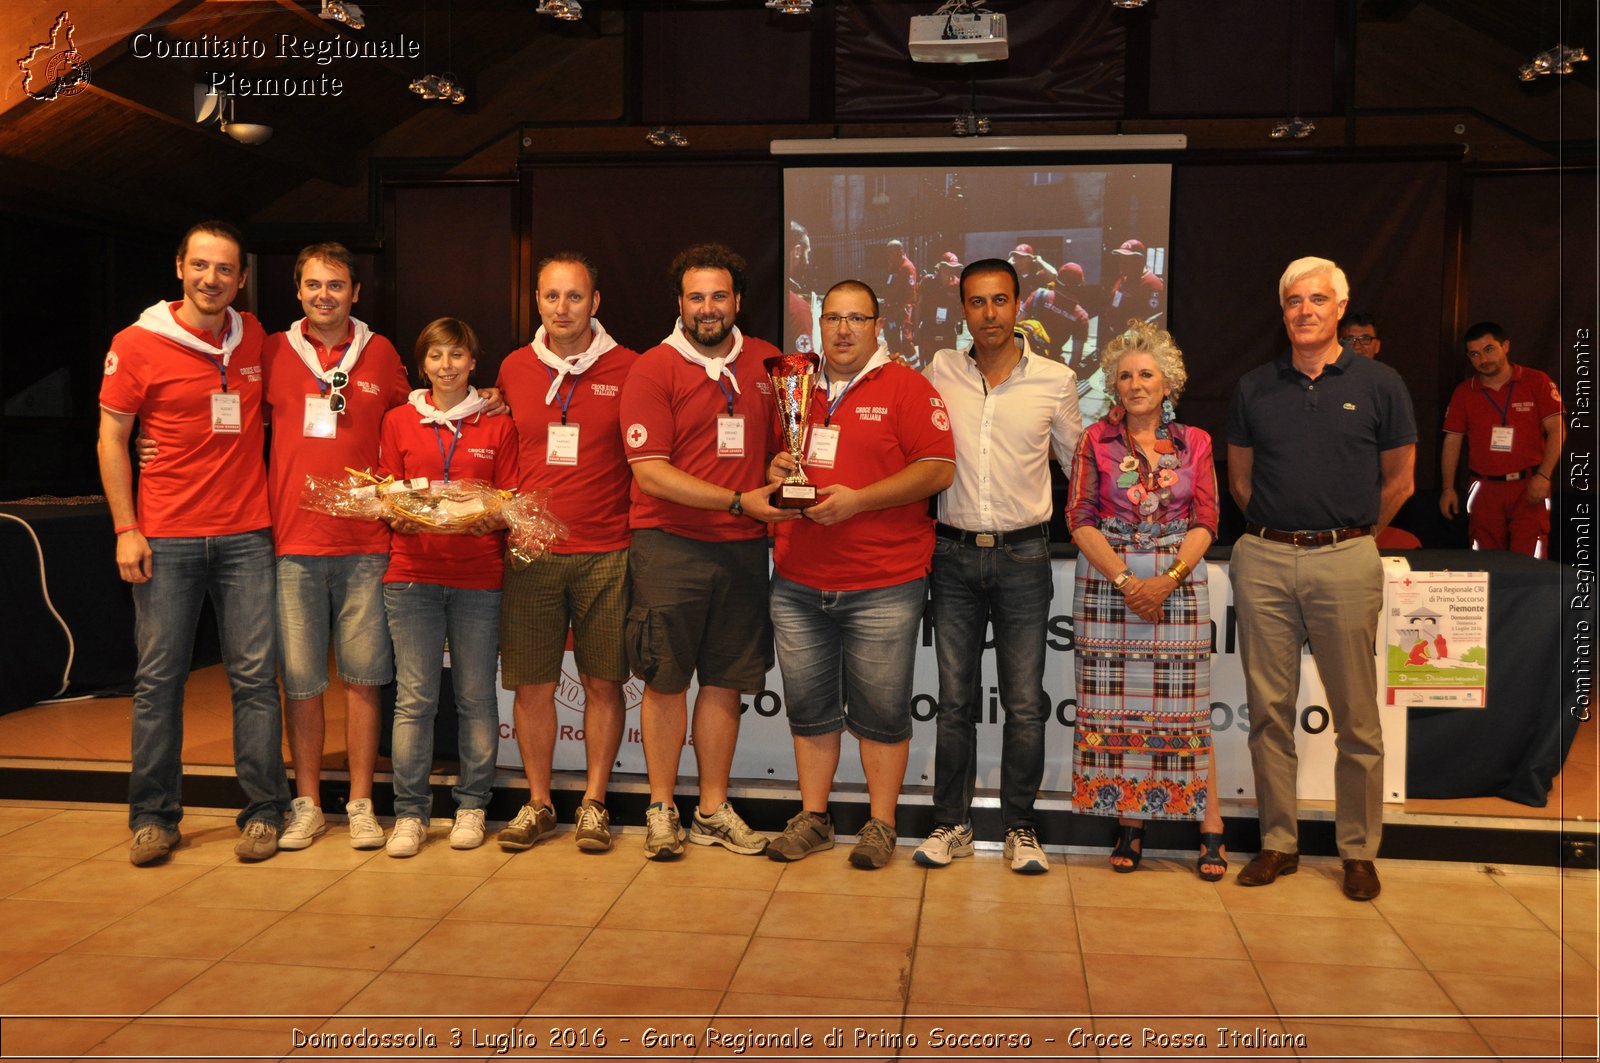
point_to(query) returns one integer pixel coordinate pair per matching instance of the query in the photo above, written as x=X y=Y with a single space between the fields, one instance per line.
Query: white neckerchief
x=600 y=344
x=431 y=414
x=159 y=320
x=839 y=387
x=715 y=368
x=308 y=354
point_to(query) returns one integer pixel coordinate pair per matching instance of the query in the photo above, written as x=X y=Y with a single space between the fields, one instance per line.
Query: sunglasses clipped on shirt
x=337 y=382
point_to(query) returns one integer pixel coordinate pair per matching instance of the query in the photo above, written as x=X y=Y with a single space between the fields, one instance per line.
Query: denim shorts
x=699 y=611
x=337 y=600
x=847 y=657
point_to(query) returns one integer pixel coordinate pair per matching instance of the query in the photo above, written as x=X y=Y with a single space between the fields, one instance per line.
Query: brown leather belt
x=1306 y=538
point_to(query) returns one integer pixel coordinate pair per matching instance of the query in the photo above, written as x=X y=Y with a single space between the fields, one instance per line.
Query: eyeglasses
x=337 y=383
x=1358 y=341
x=857 y=322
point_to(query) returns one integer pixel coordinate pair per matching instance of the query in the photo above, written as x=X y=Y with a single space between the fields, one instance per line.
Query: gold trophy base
x=795 y=495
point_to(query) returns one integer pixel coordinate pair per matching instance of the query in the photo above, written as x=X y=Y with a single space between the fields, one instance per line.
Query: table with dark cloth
x=1515 y=746
x=61 y=553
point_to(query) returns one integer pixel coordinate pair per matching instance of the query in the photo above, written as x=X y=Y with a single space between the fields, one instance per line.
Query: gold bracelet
x=1178 y=571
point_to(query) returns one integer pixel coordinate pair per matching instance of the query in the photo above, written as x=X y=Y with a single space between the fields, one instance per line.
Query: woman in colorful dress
x=1143 y=510
x=445 y=586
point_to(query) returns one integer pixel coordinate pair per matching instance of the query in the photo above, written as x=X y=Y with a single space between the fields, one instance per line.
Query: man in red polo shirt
x=852 y=578
x=565 y=393
x=190 y=371
x=329 y=381
x=1511 y=418
x=698 y=427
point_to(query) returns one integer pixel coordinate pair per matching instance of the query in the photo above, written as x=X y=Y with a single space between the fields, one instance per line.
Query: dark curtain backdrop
x=1235 y=228
x=454 y=256
x=632 y=220
x=1207 y=59
x=1530 y=266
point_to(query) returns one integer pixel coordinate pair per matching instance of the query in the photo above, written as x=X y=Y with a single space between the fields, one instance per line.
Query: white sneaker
x=944 y=845
x=467 y=833
x=408 y=838
x=364 y=830
x=1024 y=853
x=305 y=824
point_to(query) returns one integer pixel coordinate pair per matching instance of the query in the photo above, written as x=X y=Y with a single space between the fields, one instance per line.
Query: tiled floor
x=205 y=956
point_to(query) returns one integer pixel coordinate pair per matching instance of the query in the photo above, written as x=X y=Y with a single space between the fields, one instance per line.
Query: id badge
x=561 y=447
x=320 y=421
x=227 y=415
x=824 y=446
x=730 y=436
x=1500 y=437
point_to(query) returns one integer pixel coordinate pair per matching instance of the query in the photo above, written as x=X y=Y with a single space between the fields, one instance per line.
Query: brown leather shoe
x=1360 y=880
x=1267 y=866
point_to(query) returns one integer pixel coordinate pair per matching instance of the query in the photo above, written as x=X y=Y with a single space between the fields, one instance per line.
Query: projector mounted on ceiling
x=959 y=32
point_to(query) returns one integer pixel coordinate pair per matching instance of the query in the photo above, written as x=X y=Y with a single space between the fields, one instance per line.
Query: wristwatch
x=1122 y=580
x=736 y=507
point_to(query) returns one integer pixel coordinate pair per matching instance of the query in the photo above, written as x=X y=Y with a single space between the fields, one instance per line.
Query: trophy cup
x=793 y=378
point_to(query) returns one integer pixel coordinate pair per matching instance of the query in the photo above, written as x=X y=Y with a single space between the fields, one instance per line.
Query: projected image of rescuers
x=900 y=289
x=190 y=371
x=851 y=581
x=1143 y=511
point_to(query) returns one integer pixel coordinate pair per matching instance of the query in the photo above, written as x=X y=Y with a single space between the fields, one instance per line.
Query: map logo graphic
x=54 y=68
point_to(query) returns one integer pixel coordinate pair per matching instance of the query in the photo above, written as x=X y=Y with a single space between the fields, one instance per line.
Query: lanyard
x=222 y=369
x=1503 y=411
x=727 y=393
x=568 y=400
x=454 y=439
x=827 y=419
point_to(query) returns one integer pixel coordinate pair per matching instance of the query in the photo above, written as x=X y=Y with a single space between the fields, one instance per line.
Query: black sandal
x=1126 y=836
x=1211 y=853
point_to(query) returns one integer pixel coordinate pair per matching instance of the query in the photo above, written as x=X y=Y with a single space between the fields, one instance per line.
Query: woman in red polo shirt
x=441 y=586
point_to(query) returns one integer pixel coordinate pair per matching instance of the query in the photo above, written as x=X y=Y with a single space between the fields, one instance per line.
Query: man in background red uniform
x=1510 y=416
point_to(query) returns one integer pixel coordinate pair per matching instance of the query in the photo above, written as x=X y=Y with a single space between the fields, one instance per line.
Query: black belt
x=1307 y=538
x=984 y=538
x=1523 y=475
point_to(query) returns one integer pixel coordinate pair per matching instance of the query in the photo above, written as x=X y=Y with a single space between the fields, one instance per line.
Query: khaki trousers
x=1331 y=596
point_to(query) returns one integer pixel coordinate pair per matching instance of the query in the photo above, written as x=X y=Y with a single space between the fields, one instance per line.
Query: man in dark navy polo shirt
x=1321 y=449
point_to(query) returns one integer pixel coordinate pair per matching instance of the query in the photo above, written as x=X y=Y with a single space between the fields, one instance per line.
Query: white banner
x=766 y=752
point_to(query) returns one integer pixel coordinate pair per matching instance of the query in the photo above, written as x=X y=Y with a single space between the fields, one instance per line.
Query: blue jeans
x=332 y=598
x=1011 y=587
x=237 y=572
x=847 y=657
x=421 y=617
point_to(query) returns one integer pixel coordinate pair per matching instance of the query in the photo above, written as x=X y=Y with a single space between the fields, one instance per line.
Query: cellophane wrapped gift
x=455 y=507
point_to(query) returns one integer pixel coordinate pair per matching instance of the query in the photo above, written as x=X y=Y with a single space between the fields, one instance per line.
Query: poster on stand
x=1437 y=640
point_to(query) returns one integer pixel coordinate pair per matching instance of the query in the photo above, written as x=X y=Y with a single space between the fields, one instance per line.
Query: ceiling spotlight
x=343 y=11
x=1556 y=60
x=790 y=7
x=666 y=137
x=216 y=108
x=566 y=10
x=439 y=87
x=1295 y=128
x=968 y=124
x=1129 y=4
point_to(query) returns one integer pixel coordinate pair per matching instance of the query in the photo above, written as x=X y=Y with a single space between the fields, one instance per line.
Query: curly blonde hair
x=1143 y=338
